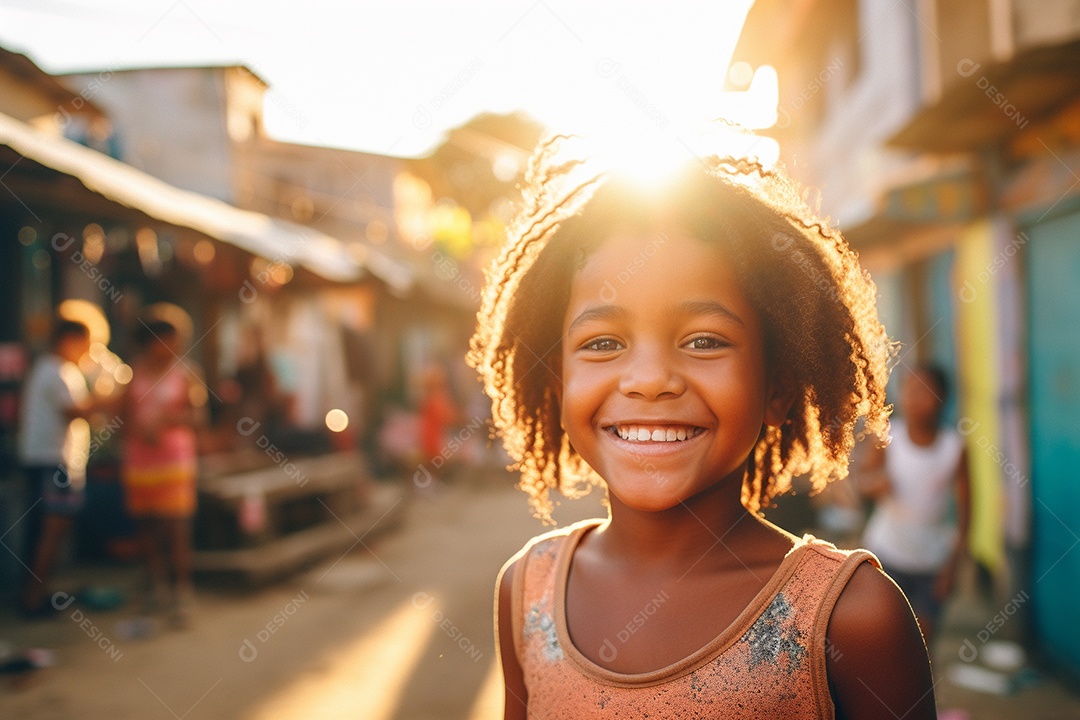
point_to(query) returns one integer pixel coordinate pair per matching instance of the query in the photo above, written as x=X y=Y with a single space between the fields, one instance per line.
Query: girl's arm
x=514 y=681
x=875 y=655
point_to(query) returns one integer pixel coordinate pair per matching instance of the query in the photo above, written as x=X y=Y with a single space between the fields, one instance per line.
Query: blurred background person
x=256 y=385
x=438 y=412
x=53 y=448
x=919 y=484
x=163 y=406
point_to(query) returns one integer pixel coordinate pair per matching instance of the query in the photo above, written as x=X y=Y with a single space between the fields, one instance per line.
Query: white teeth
x=637 y=433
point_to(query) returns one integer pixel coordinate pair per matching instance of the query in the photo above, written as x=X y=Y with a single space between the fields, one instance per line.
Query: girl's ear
x=779 y=399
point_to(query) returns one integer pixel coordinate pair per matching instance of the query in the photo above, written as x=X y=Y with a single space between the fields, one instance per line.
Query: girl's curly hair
x=822 y=336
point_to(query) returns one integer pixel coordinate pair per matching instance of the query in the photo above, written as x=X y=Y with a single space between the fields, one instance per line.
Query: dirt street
x=400 y=627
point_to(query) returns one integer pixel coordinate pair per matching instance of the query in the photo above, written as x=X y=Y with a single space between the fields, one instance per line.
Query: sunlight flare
x=370 y=673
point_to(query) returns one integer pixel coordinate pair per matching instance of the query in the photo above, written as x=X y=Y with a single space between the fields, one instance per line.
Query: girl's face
x=664 y=384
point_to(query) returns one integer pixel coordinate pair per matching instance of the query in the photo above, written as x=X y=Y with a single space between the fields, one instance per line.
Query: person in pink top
x=689 y=348
x=163 y=405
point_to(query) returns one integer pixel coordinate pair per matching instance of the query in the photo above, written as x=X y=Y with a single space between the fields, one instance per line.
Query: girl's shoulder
x=809 y=549
x=539 y=556
x=528 y=572
x=830 y=570
x=548 y=545
x=876 y=654
x=874 y=651
x=829 y=550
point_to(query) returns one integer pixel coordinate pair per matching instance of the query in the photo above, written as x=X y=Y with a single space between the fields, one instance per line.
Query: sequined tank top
x=769 y=663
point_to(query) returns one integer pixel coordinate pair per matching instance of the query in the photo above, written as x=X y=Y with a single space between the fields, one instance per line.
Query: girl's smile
x=664 y=384
x=658 y=436
x=654 y=433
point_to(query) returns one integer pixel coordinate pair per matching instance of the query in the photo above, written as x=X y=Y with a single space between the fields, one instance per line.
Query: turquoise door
x=941 y=332
x=1054 y=307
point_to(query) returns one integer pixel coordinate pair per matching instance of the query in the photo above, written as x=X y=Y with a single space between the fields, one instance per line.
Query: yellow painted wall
x=976 y=313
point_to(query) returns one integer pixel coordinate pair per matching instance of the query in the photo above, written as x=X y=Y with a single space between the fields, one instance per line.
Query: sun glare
x=650 y=160
x=756 y=107
x=639 y=149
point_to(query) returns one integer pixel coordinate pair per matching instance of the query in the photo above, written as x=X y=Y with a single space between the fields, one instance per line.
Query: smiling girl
x=690 y=348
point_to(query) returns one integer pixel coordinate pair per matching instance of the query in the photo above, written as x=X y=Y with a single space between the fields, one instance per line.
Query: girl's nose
x=650 y=374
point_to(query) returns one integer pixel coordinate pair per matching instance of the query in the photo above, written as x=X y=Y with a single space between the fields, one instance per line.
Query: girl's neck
x=714 y=518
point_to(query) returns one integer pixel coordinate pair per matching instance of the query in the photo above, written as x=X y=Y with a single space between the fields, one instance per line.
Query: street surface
x=400 y=627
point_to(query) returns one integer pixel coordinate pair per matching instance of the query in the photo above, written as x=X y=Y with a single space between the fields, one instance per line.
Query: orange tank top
x=769 y=663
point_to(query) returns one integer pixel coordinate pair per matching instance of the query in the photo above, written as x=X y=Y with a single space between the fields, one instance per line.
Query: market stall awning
x=988 y=102
x=272 y=238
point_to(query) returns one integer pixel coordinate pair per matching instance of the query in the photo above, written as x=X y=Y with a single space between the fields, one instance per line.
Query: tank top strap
x=821 y=577
x=532 y=595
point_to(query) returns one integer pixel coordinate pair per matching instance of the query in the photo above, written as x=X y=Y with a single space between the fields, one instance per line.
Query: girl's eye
x=706 y=343
x=603 y=345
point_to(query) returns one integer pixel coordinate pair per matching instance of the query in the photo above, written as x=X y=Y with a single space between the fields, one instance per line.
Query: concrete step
x=283 y=556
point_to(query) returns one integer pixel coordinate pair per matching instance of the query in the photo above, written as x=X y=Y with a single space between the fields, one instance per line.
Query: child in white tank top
x=920 y=520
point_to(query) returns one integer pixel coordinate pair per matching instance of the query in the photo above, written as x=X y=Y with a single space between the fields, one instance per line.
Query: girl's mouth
x=655 y=433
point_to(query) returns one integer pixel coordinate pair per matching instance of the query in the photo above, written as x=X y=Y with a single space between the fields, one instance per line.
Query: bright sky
x=390 y=76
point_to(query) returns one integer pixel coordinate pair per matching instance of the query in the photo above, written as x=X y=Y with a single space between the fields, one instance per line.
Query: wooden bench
x=263 y=524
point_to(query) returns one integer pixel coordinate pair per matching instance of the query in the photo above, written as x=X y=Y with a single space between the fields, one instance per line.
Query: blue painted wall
x=1054 y=360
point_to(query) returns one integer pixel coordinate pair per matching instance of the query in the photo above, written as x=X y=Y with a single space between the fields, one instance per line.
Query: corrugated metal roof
x=272 y=238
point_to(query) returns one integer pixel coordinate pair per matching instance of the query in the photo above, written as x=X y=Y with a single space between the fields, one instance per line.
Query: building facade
x=945 y=139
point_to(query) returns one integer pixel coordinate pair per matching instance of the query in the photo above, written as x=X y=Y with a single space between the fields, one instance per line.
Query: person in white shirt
x=54 y=442
x=920 y=486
